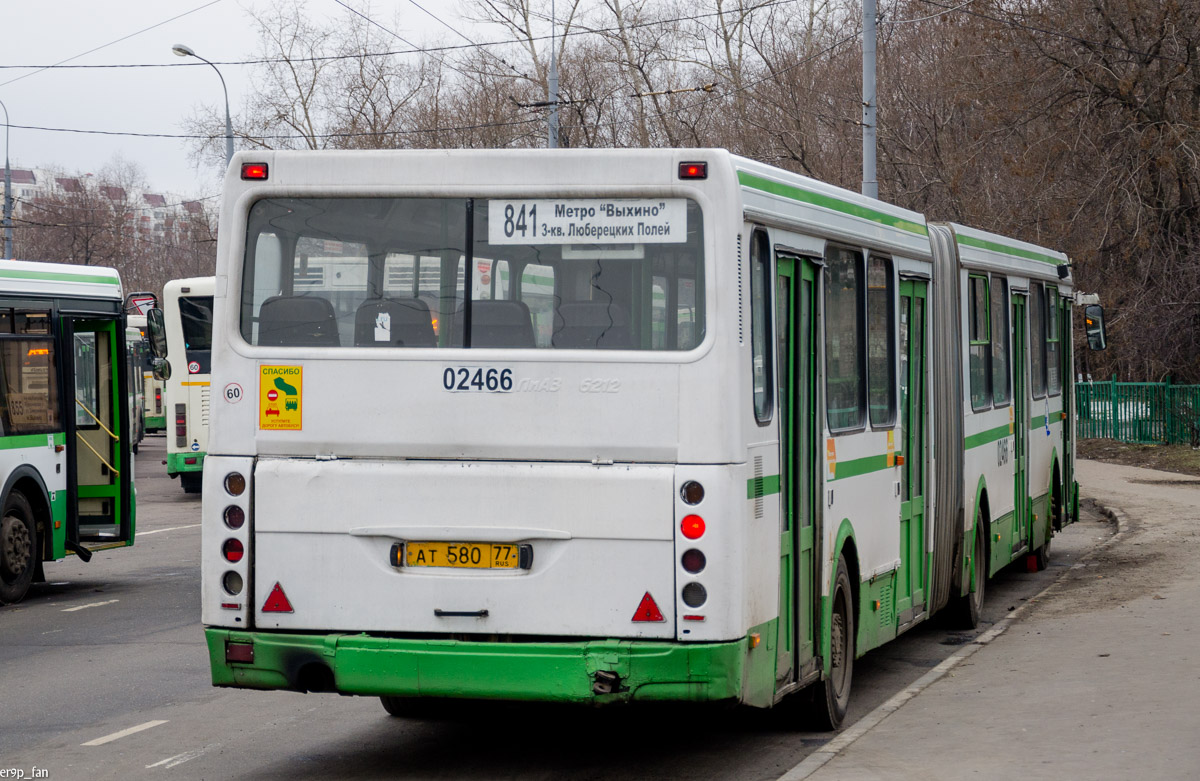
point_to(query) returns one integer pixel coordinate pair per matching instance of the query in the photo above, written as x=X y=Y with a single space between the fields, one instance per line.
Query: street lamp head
x=183 y=51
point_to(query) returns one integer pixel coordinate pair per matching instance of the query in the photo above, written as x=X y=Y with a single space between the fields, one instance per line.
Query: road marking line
x=124 y=733
x=172 y=529
x=90 y=604
x=178 y=759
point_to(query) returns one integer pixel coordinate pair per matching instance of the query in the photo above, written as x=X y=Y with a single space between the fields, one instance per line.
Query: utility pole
x=552 y=139
x=8 y=250
x=870 y=184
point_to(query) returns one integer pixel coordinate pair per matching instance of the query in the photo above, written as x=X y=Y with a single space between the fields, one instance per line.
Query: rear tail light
x=233 y=550
x=692 y=527
x=254 y=171
x=233 y=583
x=692 y=492
x=235 y=484
x=157 y=400
x=234 y=516
x=181 y=425
x=694 y=595
x=696 y=170
x=239 y=652
x=694 y=561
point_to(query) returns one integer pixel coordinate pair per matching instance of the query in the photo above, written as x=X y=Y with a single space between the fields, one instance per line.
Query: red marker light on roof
x=693 y=170
x=254 y=171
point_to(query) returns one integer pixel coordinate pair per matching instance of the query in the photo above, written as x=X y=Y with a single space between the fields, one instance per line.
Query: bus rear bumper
x=177 y=463
x=586 y=671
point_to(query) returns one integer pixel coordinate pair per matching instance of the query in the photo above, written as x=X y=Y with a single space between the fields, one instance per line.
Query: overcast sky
x=142 y=100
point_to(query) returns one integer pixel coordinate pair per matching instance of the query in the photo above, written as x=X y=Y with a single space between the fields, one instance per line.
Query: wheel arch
x=28 y=481
x=846 y=545
x=983 y=512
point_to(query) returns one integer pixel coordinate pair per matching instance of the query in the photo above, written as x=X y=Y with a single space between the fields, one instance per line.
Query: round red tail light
x=233 y=551
x=694 y=561
x=234 y=516
x=692 y=527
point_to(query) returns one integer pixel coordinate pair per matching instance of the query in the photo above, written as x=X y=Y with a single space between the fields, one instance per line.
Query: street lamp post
x=8 y=250
x=185 y=51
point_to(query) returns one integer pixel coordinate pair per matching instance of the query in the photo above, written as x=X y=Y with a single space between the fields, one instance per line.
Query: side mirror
x=161 y=369
x=158 y=333
x=1093 y=326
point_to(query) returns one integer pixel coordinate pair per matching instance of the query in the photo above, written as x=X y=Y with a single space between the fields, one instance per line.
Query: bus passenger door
x=1020 y=429
x=1069 y=512
x=98 y=502
x=795 y=297
x=910 y=593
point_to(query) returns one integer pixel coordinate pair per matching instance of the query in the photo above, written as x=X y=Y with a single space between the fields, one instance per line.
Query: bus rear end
x=473 y=433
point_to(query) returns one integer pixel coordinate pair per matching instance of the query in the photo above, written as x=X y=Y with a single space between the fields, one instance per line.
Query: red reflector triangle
x=277 y=602
x=648 y=610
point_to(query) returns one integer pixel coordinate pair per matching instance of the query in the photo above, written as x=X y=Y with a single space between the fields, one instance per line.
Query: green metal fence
x=1142 y=412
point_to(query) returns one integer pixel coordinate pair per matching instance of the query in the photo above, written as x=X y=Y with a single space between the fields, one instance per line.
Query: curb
x=819 y=758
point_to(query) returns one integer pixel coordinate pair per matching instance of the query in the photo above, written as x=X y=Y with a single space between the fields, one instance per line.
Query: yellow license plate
x=473 y=555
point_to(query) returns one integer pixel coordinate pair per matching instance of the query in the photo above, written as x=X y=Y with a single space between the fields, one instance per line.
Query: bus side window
x=980 y=342
x=1037 y=339
x=1000 y=346
x=30 y=386
x=760 y=326
x=1053 y=368
x=844 y=354
x=881 y=342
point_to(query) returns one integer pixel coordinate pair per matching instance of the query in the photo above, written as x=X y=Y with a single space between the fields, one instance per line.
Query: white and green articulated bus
x=187 y=311
x=701 y=429
x=65 y=429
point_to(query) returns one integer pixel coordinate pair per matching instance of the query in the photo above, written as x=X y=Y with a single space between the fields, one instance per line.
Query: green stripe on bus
x=984 y=437
x=57 y=276
x=860 y=466
x=30 y=440
x=747 y=179
x=1004 y=249
x=758 y=487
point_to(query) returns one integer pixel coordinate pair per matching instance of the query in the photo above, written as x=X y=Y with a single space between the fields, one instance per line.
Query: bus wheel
x=1041 y=557
x=18 y=548
x=831 y=697
x=966 y=609
x=191 y=482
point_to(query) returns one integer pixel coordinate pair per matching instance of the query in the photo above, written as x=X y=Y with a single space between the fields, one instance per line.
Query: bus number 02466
x=476 y=379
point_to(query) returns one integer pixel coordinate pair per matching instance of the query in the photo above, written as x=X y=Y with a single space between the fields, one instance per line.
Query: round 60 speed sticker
x=233 y=393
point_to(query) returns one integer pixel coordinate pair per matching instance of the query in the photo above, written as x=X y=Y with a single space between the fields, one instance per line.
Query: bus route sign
x=279 y=395
x=588 y=221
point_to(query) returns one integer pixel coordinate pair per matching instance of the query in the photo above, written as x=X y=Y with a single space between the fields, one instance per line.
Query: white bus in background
x=601 y=426
x=187 y=306
x=154 y=415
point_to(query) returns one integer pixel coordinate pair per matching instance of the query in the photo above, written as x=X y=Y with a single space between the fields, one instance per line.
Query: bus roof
x=59 y=279
x=990 y=251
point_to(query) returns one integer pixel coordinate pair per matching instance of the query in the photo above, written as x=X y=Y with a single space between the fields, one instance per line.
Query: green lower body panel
x=155 y=422
x=177 y=463
x=552 y=672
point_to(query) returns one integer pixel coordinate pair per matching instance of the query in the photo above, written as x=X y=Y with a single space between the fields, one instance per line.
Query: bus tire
x=1041 y=557
x=966 y=609
x=831 y=696
x=18 y=548
x=192 y=482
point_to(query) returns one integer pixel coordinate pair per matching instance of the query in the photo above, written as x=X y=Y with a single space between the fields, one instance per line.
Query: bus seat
x=591 y=325
x=297 y=321
x=497 y=324
x=407 y=323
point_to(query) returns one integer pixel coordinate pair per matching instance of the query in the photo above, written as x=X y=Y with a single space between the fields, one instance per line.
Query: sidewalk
x=1099 y=679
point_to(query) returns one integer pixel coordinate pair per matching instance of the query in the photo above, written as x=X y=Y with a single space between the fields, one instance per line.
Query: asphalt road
x=104 y=675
